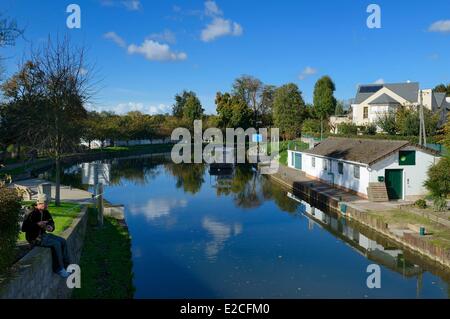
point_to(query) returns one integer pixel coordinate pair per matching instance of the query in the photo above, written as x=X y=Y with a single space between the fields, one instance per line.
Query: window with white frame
x=313 y=161
x=325 y=164
x=356 y=171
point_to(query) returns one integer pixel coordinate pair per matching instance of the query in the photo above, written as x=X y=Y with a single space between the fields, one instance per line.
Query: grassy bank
x=62 y=215
x=106 y=264
x=150 y=148
x=21 y=168
x=439 y=234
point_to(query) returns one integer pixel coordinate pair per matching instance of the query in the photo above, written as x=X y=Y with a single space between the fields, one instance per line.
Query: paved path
x=294 y=176
x=67 y=193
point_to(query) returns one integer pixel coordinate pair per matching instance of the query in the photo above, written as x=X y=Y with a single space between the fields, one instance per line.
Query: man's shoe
x=63 y=273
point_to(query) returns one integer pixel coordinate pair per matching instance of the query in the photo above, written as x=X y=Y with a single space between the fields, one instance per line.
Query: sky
x=146 y=51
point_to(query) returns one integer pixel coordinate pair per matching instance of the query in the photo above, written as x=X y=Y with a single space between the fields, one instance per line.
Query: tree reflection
x=276 y=193
x=138 y=170
x=189 y=176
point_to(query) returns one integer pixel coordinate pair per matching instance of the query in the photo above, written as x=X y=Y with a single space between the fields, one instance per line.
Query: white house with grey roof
x=371 y=168
x=373 y=100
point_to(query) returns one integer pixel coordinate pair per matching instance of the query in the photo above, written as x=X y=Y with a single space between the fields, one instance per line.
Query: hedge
x=10 y=208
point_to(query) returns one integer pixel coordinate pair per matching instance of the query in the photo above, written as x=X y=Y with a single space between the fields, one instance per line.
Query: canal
x=200 y=233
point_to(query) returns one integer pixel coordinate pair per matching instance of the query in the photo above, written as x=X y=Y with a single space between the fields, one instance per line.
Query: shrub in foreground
x=10 y=208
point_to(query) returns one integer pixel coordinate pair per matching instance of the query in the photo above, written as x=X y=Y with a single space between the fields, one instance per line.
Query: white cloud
x=440 y=26
x=220 y=233
x=132 y=5
x=220 y=27
x=124 y=108
x=155 y=51
x=212 y=9
x=165 y=36
x=157 y=208
x=115 y=38
x=307 y=72
x=379 y=81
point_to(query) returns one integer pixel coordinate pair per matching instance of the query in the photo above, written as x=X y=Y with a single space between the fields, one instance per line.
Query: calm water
x=199 y=235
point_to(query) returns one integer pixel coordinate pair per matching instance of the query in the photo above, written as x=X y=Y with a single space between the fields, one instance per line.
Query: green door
x=298 y=160
x=394 y=183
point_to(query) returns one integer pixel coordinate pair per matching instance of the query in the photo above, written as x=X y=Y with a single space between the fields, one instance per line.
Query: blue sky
x=147 y=51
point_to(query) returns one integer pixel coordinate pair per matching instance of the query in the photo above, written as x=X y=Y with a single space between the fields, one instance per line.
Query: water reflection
x=200 y=232
x=157 y=208
x=389 y=256
x=220 y=232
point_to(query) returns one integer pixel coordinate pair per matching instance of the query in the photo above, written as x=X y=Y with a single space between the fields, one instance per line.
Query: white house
x=355 y=164
x=373 y=100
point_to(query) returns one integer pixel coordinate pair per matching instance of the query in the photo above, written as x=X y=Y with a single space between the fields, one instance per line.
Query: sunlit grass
x=63 y=216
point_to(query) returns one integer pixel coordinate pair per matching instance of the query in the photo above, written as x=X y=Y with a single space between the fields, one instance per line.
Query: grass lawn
x=62 y=215
x=106 y=265
x=440 y=234
x=300 y=146
x=153 y=148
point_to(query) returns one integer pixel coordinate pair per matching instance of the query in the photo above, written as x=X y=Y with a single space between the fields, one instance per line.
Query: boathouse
x=376 y=169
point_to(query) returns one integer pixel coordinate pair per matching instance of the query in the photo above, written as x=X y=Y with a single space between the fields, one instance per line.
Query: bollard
x=46 y=188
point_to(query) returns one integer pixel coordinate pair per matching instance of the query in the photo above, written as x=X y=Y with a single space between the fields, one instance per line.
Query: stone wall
x=32 y=276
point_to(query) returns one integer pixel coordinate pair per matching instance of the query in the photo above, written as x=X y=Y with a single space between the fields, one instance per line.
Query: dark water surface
x=196 y=234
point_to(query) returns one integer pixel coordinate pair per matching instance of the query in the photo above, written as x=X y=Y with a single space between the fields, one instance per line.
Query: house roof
x=365 y=151
x=439 y=98
x=408 y=91
x=384 y=99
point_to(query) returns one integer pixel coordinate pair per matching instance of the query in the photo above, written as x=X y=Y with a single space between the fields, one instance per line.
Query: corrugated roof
x=365 y=151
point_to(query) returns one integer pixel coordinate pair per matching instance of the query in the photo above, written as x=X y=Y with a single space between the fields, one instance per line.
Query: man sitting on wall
x=36 y=225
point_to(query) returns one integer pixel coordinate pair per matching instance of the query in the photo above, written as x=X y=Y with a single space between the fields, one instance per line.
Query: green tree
x=347 y=128
x=287 y=110
x=324 y=100
x=339 y=110
x=257 y=96
x=232 y=111
x=180 y=102
x=388 y=122
x=192 y=109
x=408 y=122
x=441 y=88
x=438 y=182
x=446 y=136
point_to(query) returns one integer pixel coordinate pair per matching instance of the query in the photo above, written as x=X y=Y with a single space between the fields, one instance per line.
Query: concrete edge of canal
x=414 y=243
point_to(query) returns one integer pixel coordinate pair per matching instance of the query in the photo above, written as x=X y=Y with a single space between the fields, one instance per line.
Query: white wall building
x=351 y=164
x=373 y=100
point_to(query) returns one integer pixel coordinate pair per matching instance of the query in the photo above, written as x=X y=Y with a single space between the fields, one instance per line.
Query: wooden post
x=100 y=204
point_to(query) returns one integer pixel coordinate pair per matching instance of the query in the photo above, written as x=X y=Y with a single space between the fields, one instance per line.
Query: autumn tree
x=53 y=88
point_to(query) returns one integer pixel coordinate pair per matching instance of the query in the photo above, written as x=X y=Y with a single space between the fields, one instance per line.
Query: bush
x=438 y=182
x=347 y=128
x=421 y=203
x=313 y=126
x=440 y=204
x=10 y=215
x=370 y=129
